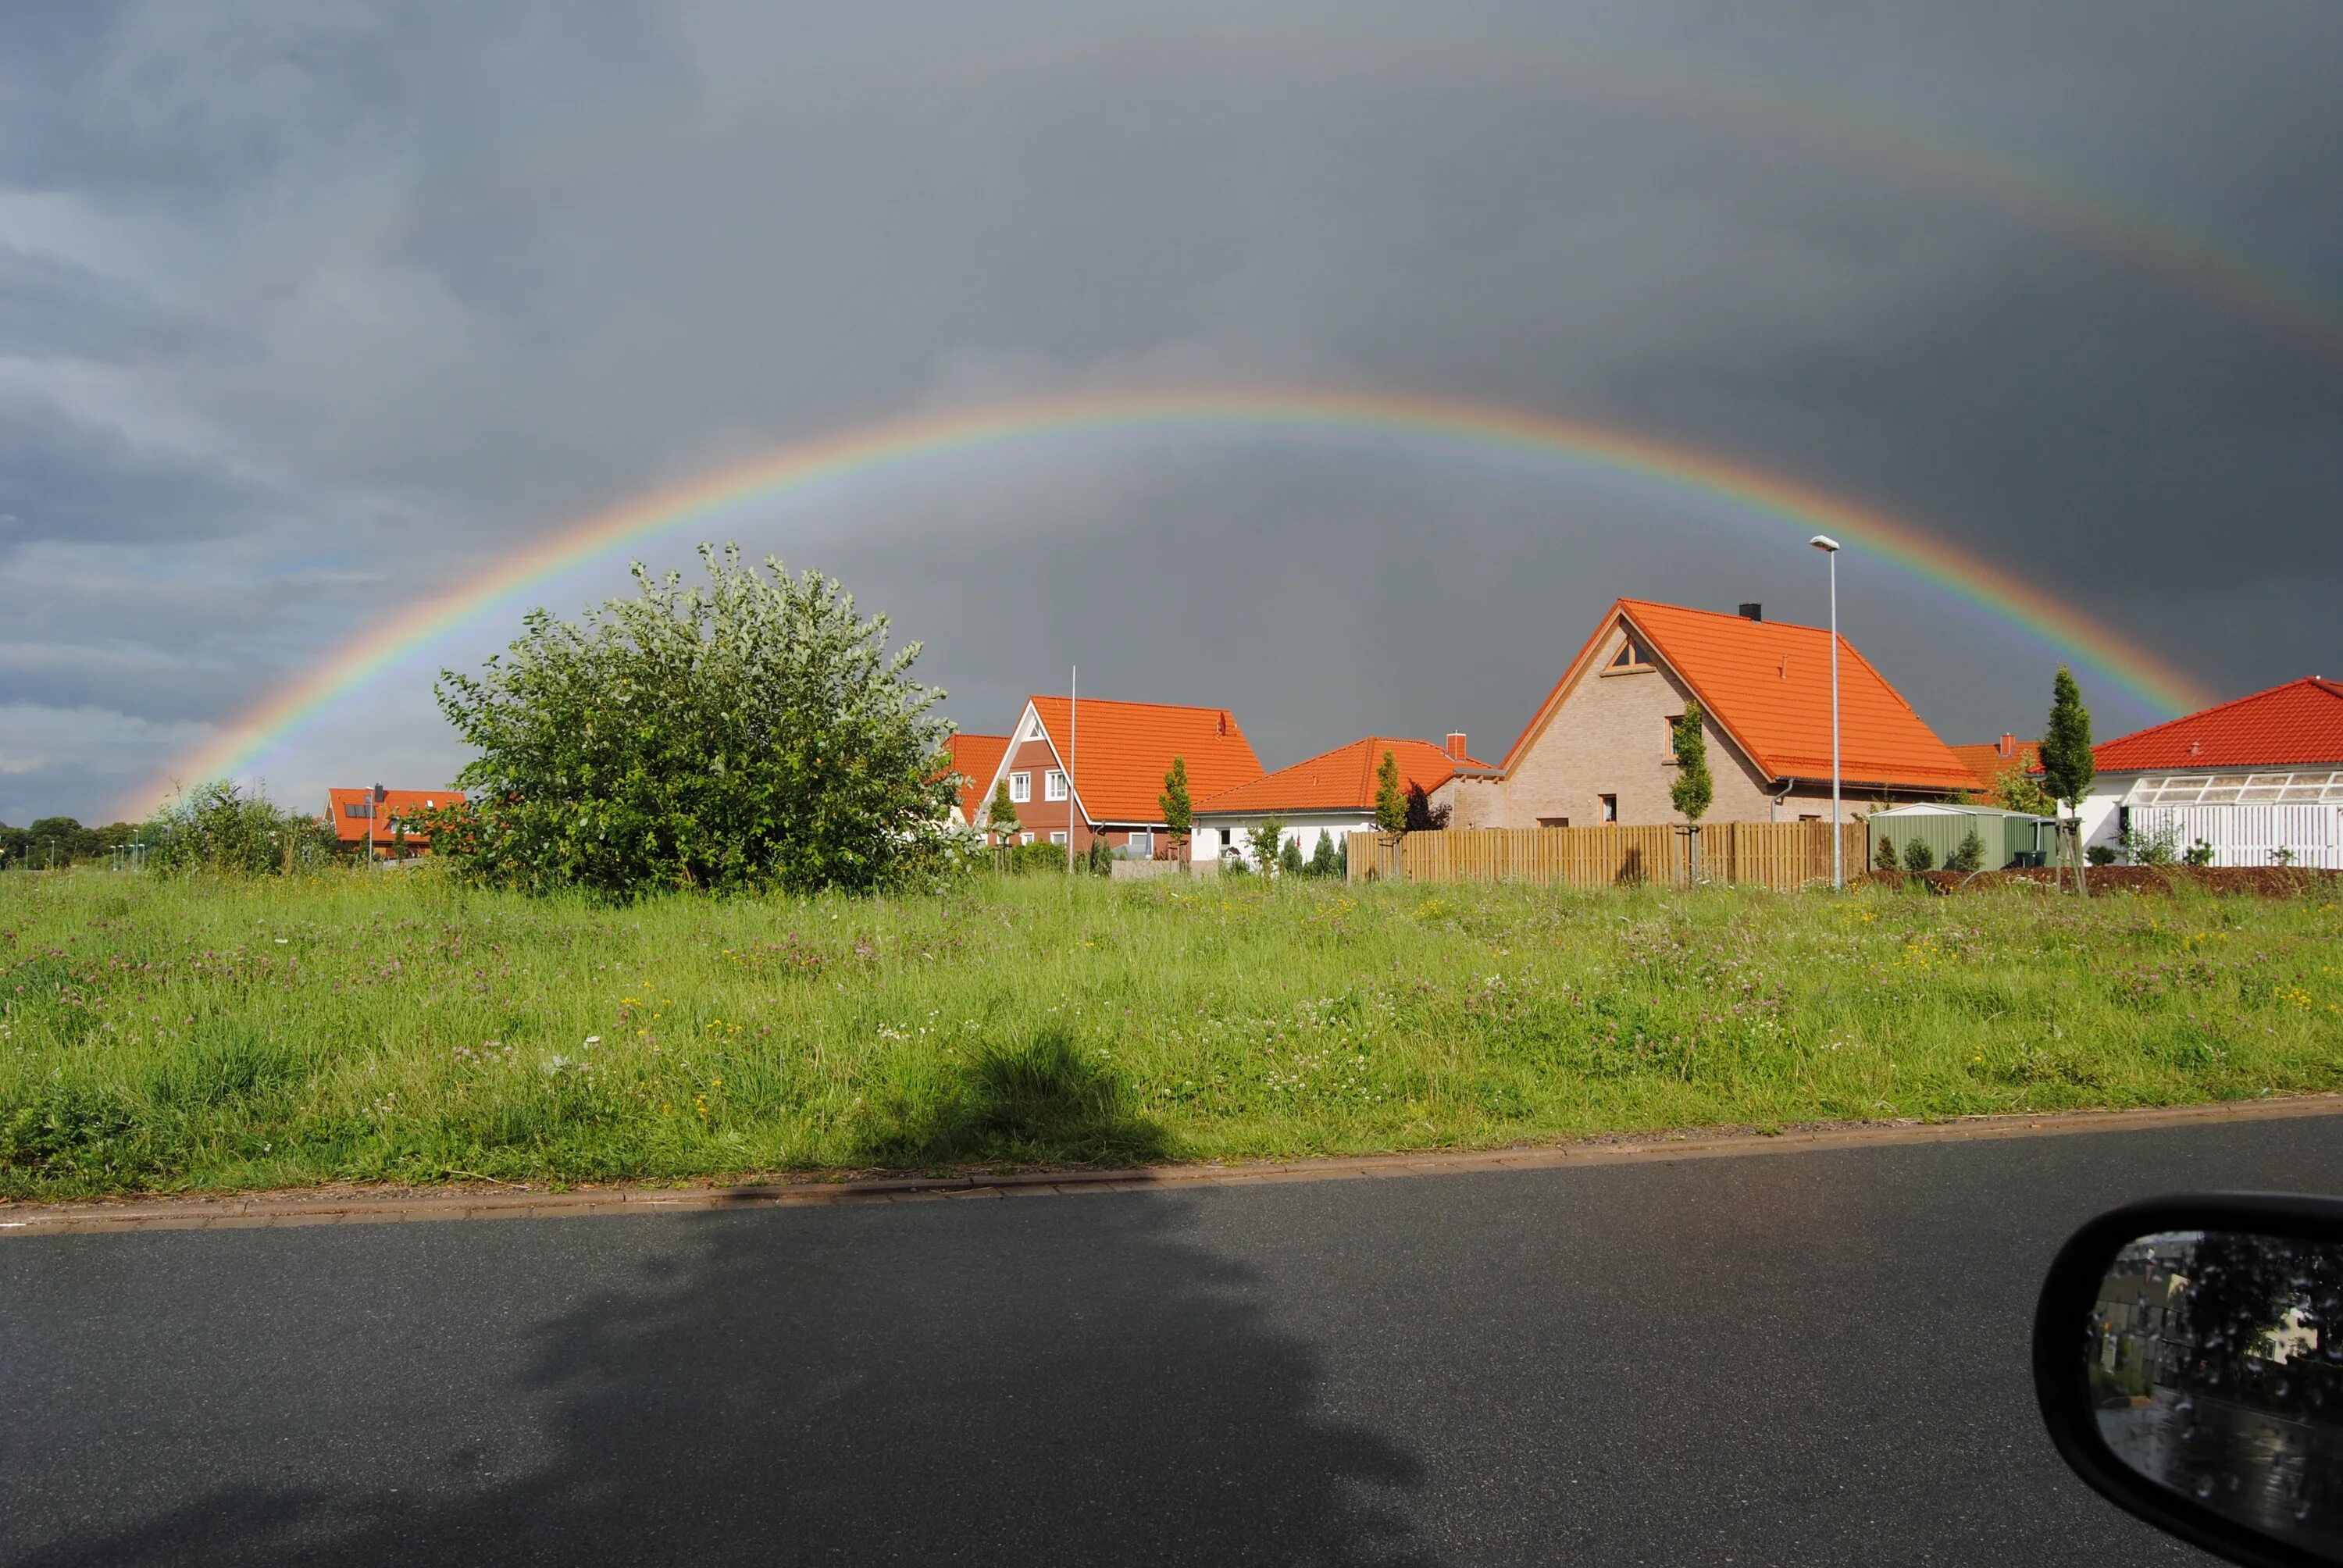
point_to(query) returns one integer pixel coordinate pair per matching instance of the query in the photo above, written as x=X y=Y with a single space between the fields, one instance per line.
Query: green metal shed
x=2010 y=838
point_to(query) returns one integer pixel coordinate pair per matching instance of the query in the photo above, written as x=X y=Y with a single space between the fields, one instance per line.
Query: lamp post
x=1829 y=547
x=374 y=815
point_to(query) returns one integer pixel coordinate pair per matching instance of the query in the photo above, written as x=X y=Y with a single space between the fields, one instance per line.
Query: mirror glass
x=2214 y=1371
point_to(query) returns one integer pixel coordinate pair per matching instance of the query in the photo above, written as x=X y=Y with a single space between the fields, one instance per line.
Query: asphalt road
x=1802 y=1358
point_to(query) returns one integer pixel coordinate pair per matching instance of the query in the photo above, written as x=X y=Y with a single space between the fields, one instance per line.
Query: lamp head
x=1824 y=543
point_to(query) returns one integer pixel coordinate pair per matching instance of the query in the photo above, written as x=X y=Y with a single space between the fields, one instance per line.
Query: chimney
x=1455 y=747
x=1752 y=611
x=2007 y=745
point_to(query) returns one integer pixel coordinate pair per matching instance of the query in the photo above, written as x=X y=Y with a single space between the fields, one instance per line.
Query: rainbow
x=1472 y=428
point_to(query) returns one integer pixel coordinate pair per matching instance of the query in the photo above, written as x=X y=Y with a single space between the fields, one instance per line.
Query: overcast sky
x=312 y=309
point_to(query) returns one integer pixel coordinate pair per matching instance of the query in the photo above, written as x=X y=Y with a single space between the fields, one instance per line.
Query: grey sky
x=309 y=309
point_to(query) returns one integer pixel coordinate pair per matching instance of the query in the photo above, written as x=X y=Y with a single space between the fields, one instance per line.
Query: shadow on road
x=1060 y=1380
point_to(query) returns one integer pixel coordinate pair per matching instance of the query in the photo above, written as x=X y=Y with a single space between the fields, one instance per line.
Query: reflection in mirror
x=2211 y=1375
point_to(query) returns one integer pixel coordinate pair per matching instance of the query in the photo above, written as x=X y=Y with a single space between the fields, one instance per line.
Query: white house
x=2259 y=780
x=1334 y=792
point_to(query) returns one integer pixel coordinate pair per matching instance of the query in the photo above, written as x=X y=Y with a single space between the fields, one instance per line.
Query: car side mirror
x=2189 y=1360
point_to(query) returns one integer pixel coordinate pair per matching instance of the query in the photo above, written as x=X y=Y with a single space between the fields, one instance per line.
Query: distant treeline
x=61 y=841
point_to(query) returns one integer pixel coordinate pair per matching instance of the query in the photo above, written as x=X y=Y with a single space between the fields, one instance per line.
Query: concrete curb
x=380 y=1205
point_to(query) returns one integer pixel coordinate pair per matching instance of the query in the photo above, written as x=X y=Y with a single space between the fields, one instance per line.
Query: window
x=1141 y=841
x=1553 y=822
x=1059 y=837
x=1020 y=788
x=1610 y=807
x=1033 y=729
x=1629 y=656
x=1024 y=837
x=1673 y=720
x=1053 y=785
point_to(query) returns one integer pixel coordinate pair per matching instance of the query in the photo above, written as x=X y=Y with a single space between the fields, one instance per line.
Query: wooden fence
x=1766 y=854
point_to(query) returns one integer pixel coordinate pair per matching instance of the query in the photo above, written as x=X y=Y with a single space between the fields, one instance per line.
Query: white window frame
x=1020 y=788
x=1059 y=837
x=1024 y=837
x=1140 y=841
x=1053 y=785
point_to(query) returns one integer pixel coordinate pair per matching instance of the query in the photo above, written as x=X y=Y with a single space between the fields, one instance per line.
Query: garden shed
x=2010 y=838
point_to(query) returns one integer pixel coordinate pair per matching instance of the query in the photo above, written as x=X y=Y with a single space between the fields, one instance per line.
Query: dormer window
x=1033 y=728
x=1630 y=657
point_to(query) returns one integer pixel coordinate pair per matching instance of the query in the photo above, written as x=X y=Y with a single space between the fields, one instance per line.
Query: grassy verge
x=163 y=1035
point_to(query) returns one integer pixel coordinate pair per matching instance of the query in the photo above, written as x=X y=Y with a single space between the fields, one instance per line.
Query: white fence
x=2248 y=835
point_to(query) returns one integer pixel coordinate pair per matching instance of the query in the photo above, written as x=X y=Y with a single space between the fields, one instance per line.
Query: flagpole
x=1073 y=744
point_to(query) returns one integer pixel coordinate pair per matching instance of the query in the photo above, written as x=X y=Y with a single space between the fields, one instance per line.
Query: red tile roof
x=1342 y=779
x=1122 y=749
x=976 y=758
x=1989 y=763
x=1766 y=684
x=2301 y=721
x=396 y=803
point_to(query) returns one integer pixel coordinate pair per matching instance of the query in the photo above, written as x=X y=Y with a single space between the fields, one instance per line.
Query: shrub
x=1918 y=857
x=2101 y=854
x=754 y=733
x=2161 y=848
x=2200 y=853
x=1883 y=859
x=1423 y=815
x=1263 y=838
x=1693 y=789
x=1289 y=858
x=1969 y=854
x=219 y=828
x=1326 y=859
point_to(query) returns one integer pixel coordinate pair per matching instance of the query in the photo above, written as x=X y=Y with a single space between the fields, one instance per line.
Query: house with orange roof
x=1989 y=760
x=1331 y=793
x=1601 y=746
x=1094 y=769
x=375 y=821
x=974 y=758
x=2250 y=778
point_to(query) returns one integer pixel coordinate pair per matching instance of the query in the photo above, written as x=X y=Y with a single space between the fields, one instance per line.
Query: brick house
x=1095 y=769
x=360 y=820
x=1601 y=747
x=976 y=758
x=1331 y=793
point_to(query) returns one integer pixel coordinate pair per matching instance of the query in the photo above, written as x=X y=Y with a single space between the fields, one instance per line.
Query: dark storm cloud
x=307 y=310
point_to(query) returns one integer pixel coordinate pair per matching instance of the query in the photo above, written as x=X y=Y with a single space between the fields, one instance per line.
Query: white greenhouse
x=2245 y=818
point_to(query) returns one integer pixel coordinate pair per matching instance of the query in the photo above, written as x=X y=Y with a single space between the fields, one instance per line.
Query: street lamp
x=1829 y=547
x=373 y=814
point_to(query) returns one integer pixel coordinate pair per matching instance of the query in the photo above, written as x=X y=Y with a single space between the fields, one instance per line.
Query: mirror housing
x=2063 y=1339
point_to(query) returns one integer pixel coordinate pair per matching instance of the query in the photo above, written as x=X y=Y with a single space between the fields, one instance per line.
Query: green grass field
x=159 y=1035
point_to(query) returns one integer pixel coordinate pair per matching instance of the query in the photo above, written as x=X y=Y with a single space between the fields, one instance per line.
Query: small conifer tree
x=1968 y=856
x=2067 y=768
x=1883 y=858
x=1179 y=806
x=1390 y=797
x=1001 y=815
x=1918 y=857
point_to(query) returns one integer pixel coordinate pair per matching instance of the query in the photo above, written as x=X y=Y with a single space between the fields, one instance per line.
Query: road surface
x=1800 y=1358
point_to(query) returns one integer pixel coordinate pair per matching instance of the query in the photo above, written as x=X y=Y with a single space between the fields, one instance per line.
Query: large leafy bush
x=752 y=734
x=219 y=827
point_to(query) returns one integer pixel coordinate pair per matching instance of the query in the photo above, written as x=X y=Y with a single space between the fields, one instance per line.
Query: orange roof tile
x=1122 y=749
x=975 y=757
x=396 y=803
x=1986 y=760
x=2301 y=721
x=1342 y=779
x=1766 y=684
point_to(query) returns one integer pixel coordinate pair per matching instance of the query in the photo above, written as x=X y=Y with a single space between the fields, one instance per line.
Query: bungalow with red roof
x=364 y=825
x=1333 y=792
x=1094 y=769
x=974 y=758
x=1989 y=760
x=1601 y=746
x=2258 y=779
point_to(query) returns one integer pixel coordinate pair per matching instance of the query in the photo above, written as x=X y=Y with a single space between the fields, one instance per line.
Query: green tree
x=754 y=733
x=1390 y=797
x=1693 y=789
x=1325 y=858
x=1000 y=813
x=219 y=828
x=1883 y=858
x=1263 y=838
x=2016 y=789
x=2067 y=768
x=1178 y=807
x=1968 y=856
x=1918 y=857
x=1289 y=858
